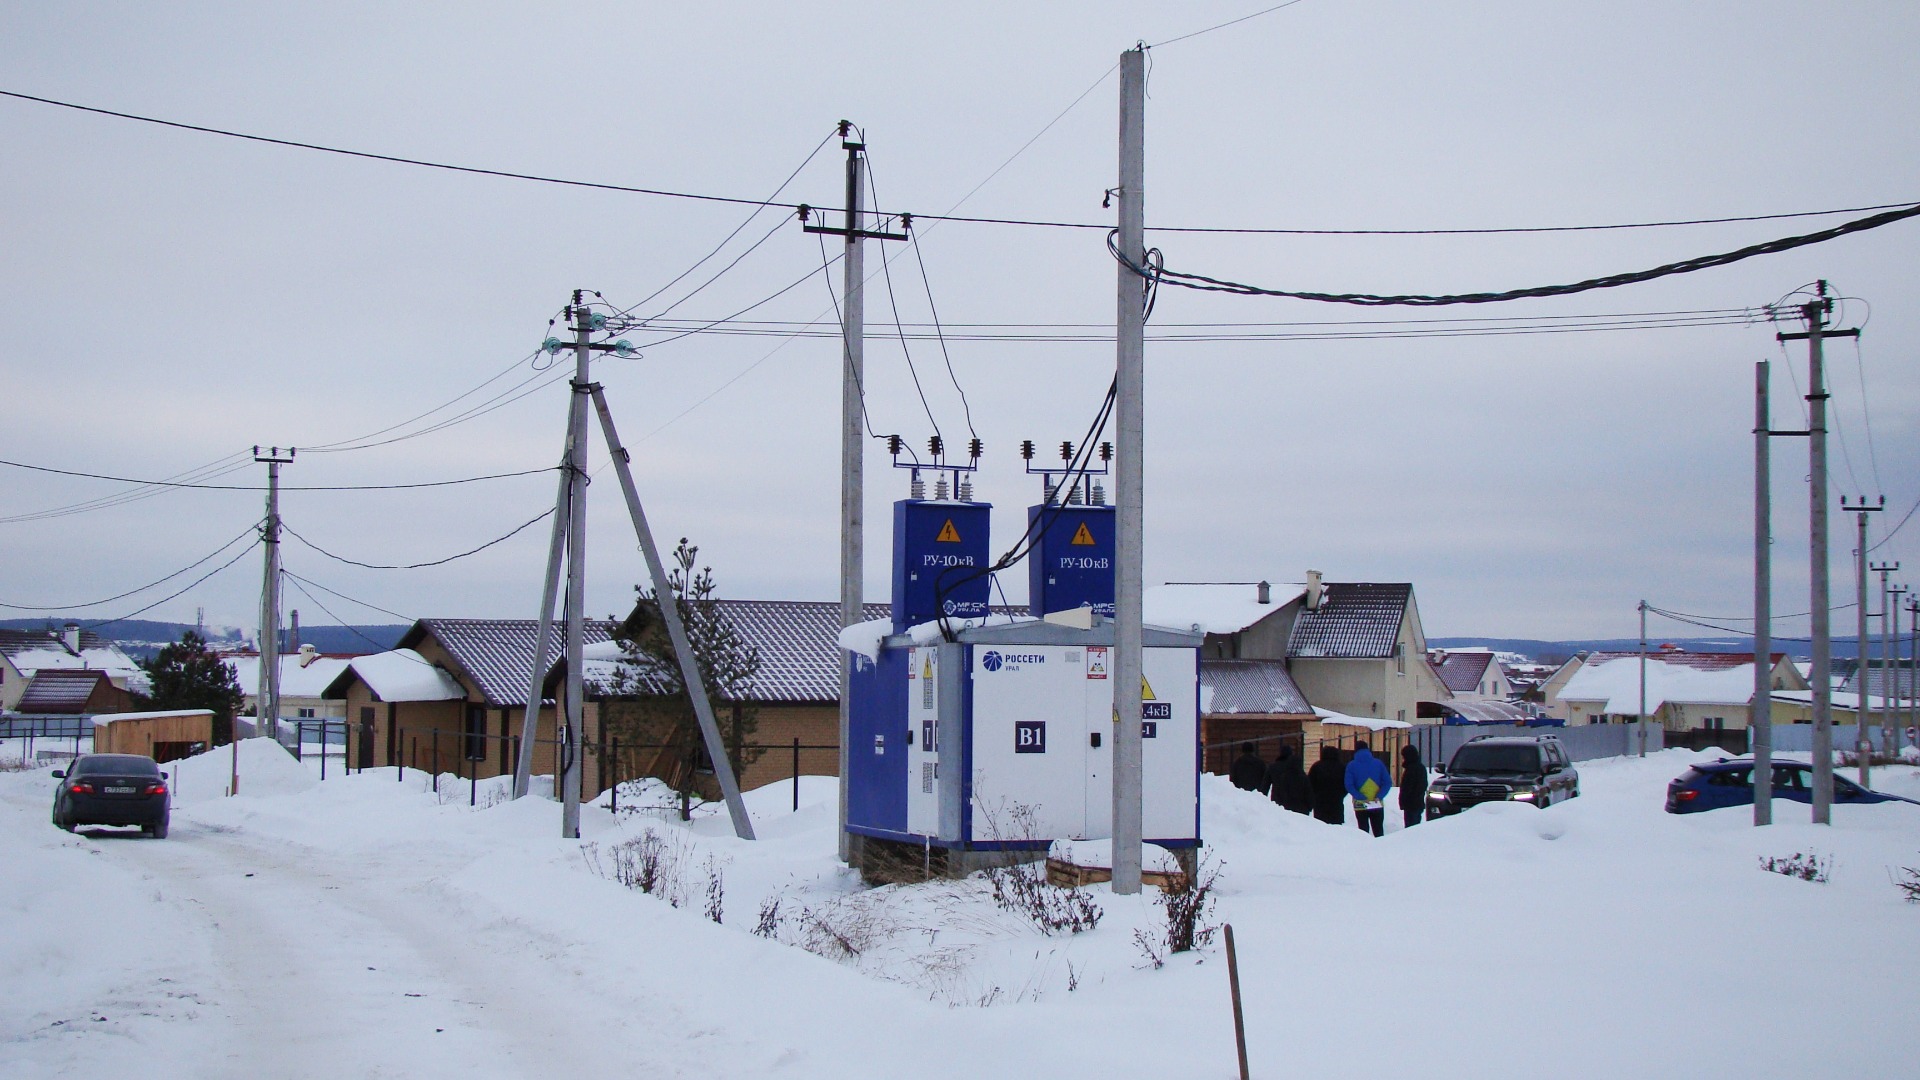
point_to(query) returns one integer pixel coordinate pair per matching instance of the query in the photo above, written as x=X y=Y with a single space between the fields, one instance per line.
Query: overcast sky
x=168 y=298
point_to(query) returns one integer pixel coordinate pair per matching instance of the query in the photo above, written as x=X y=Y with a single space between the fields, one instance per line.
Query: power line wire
x=215 y=553
x=213 y=470
x=1224 y=25
x=517 y=530
x=283 y=487
x=196 y=582
x=342 y=623
x=1037 y=223
x=1205 y=283
x=343 y=596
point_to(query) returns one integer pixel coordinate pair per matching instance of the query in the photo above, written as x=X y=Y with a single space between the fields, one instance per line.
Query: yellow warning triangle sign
x=1082 y=537
x=948 y=534
x=1146 y=690
x=927 y=672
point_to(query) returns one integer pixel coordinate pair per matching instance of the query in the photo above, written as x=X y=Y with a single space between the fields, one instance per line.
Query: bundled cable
x=1203 y=283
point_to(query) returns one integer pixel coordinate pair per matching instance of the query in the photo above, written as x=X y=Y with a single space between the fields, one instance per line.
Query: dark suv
x=1499 y=768
x=112 y=789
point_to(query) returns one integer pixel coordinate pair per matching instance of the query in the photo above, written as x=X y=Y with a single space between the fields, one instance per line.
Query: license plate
x=119 y=791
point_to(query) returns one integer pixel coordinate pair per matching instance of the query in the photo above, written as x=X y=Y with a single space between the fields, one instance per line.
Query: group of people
x=1335 y=779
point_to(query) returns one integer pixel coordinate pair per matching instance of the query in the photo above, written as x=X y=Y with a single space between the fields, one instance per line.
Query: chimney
x=293 y=636
x=71 y=637
x=1265 y=593
x=1314 y=590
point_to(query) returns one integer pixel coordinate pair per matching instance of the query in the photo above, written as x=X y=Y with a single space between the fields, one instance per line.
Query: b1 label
x=1029 y=736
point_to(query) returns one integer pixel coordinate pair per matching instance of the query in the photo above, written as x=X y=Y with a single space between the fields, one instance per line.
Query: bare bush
x=716 y=889
x=1023 y=888
x=1803 y=865
x=1185 y=903
x=1909 y=884
x=768 y=924
x=650 y=862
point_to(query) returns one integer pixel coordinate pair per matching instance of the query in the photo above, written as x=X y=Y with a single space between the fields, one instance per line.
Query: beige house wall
x=1388 y=688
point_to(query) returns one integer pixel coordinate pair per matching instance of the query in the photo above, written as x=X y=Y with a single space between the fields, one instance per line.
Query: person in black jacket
x=1248 y=772
x=1413 y=785
x=1287 y=782
x=1328 y=780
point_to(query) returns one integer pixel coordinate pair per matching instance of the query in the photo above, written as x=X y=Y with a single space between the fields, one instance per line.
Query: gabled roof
x=1614 y=680
x=799 y=655
x=1462 y=671
x=13 y=641
x=496 y=655
x=1214 y=608
x=398 y=675
x=1260 y=687
x=1699 y=661
x=60 y=691
x=1355 y=620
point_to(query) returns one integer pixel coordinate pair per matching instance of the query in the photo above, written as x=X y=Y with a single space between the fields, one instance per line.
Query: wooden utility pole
x=266 y=711
x=1760 y=721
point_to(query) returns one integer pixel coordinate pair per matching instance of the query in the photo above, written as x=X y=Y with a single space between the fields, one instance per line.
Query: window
x=1402 y=716
x=1400 y=657
x=1789 y=778
x=1714 y=723
x=305 y=714
x=1730 y=778
x=476 y=732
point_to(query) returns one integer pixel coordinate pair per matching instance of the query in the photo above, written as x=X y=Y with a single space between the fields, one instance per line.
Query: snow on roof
x=1616 y=682
x=103 y=719
x=1328 y=716
x=309 y=681
x=1215 y=609
x=405 y=675
x=1461 y=669
x=108 y=658
x=1260 y=687
x=1355 y=620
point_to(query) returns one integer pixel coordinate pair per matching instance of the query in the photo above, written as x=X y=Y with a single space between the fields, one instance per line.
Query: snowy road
x=367 y=928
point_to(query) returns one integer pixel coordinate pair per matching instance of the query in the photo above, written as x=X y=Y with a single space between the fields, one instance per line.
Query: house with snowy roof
x=1355 y=649
x=457 y=689
x=1472 y=674
x=26 y=653
x=304 y=678
x=1685 y=691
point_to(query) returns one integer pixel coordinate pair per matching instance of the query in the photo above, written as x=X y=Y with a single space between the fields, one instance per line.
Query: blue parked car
x=1729 y=782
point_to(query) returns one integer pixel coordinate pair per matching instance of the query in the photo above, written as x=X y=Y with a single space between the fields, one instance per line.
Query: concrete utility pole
x=570 y=741
x=1862 y=706
x=1760 y=713
x=1129 y=515
x=1913 y=668
x=1814 y=313
x=853 y=415
x=1643 y=678
x=1891 y=691
x=852 y=448
x=1886 y=680
x=267 y=695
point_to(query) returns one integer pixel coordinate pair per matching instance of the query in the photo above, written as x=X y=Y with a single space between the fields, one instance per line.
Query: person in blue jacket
x=1368 y=781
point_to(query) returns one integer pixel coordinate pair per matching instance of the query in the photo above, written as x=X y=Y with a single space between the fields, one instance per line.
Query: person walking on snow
x=1368 y=782
x=1325 y=781
x=1248 y=772
x=1413 y=785
x=1287 y=782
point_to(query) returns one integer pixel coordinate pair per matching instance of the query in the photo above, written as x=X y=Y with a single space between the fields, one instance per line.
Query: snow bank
x=266 y=770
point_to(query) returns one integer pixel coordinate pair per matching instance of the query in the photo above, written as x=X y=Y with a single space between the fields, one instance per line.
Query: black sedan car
x=112 y=789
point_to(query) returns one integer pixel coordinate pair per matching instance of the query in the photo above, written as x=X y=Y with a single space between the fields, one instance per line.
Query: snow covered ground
x=367 y=927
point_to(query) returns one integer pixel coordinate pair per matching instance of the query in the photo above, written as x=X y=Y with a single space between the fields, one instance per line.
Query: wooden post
x=796 y=774
x=613 y=789
x=1239 y=1022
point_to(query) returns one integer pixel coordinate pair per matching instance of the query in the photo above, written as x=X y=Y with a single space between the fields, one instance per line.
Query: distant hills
x=1555 y=651
x=142 y=638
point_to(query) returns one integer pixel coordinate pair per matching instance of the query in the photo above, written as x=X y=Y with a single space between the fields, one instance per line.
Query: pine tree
x=653 y=712
x=188 y=675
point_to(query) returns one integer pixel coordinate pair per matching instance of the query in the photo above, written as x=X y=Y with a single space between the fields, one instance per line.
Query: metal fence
x=32 y=738
x=1437 y=742
x=1798 y=738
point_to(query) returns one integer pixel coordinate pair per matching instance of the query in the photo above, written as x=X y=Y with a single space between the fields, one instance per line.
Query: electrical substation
x=975 y=741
